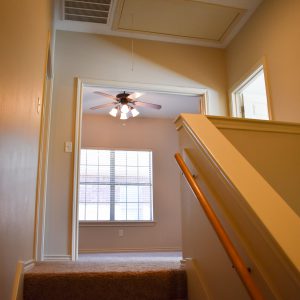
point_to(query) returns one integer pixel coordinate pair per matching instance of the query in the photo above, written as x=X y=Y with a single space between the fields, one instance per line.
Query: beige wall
x=259 y=222
x=24 y=34
x=275 y=156
x=273 y=32
x=139 y=133
x=109 y=58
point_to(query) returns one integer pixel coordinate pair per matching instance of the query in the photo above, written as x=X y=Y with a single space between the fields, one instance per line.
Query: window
x=115 y=185
x=250 y=98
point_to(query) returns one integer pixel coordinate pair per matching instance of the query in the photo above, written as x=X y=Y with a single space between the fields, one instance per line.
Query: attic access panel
x=179 y=18
x=93 y=11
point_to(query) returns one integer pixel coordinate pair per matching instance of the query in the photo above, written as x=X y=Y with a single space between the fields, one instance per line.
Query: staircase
x=156 y=279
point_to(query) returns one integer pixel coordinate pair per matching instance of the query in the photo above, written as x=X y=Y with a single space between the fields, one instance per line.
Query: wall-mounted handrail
x=235 y=258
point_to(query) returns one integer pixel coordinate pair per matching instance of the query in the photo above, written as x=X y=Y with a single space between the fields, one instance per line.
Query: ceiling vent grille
x=94 y=11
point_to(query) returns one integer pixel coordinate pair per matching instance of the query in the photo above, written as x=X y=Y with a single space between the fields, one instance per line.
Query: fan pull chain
x=132 y=58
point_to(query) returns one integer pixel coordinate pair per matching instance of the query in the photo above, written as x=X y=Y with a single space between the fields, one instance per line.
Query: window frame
x=235 y=100
x=109 y=223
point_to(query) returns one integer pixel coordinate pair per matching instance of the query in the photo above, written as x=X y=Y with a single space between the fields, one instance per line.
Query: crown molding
x=111 y=30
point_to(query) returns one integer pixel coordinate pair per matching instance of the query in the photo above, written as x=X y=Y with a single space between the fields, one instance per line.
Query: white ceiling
x=172 y=104
x=200 y=22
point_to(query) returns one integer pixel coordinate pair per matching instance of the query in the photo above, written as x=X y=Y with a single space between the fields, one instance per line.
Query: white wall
x=109 y=58
x=273 y=31
x=139 y=133
x=24 y=34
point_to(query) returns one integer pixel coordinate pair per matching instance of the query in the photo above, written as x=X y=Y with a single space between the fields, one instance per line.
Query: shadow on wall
x=110 y=58
x=201 y=65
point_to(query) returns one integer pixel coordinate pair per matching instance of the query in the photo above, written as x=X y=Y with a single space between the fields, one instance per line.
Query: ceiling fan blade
x=103 y=105
x=145 y=104
x=135 y=95
x=105 y=95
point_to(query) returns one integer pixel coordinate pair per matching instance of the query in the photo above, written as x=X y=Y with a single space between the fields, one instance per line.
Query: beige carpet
x=111 y=277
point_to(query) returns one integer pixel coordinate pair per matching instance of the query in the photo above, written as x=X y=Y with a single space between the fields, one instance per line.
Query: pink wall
x=141 y=133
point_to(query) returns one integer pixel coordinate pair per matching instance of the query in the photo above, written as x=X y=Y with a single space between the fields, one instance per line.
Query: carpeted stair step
x=109 y=281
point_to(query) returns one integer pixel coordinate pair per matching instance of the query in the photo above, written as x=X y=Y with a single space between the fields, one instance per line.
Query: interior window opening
x=250 y=99
x=115 y=185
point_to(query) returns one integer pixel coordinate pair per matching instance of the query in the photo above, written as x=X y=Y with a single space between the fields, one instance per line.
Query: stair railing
x=231 y=251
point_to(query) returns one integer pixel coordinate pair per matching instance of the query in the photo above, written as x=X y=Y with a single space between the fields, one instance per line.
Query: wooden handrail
x=235 y=258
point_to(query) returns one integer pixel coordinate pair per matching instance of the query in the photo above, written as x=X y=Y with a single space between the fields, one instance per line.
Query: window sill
x=116 y=223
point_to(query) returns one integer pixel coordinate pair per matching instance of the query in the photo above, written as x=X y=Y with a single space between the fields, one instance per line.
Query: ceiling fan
x=124 y=103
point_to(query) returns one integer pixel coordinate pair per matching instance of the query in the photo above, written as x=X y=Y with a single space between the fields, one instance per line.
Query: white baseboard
x=22 y=266
x=196 y=287
x=57 y=258
x=28 y=265
x=114 y=250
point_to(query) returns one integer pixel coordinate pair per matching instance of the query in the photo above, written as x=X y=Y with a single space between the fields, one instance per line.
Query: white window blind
x=115 y=185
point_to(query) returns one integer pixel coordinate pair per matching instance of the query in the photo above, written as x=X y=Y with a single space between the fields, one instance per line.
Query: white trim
x=147 y=87
x=77 y=146
x=261 y=64
x=255 y=125
x=63 y=10
x=117 y=223
x=44 y=140
x=116 y=250
x=286 y=257
x=102 y=29
x=242 y=79
x=195 y=281
x=204 y=103
x=116 y=149
x=80 y=82
x=111 y=12
x=112 y=221
x=28 y=264
x=22 y=267
x=110 y=28
x=58 y=258
x=250 y=77
x=42 y=175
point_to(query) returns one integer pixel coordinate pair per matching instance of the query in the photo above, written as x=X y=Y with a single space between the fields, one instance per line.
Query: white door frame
x=122 y=85
x=261 y=64
x=45 y=110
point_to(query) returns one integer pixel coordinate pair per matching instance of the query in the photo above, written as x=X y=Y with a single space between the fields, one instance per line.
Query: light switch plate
x=68 y=147
x=39 y=105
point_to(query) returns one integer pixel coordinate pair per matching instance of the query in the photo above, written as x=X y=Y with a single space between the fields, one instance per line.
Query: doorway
x=133 y=190
x=251 y=98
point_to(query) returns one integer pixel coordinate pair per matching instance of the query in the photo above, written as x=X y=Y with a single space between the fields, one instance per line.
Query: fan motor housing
x=123 y=98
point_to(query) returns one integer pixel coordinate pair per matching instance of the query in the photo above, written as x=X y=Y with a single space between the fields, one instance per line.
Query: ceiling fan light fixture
x=134 y=112
x=124 y=104
x=125 y=109
x=114 y=112
x=135 y=95
x=123 y=116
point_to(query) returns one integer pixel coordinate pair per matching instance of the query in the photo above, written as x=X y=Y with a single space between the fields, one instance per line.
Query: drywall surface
x=272 y=32
x=139 y=134
x=24 y=35
x=260 y=223
x=275 y=156
x=110 y=58
x=199 y=240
